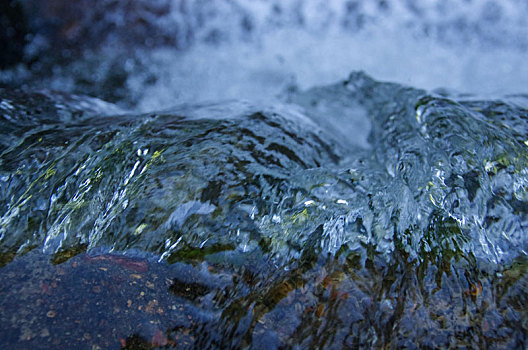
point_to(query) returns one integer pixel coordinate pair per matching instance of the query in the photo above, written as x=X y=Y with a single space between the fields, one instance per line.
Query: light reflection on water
x=268 y=230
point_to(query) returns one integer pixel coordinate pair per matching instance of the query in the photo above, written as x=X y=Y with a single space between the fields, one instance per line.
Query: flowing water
x=294 y=233
x=359 y=214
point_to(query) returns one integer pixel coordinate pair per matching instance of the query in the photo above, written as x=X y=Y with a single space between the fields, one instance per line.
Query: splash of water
x=438 y=174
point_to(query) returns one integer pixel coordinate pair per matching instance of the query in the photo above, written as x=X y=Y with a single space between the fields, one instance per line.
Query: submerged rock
x=316 y=237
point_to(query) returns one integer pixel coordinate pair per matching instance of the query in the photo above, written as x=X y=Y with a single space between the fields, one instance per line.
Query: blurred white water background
x=155 y=54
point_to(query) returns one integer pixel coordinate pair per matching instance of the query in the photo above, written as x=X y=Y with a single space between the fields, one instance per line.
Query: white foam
x=254 y=50
x=260 y=70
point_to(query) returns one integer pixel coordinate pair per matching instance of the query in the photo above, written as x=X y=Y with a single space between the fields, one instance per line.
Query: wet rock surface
x=232 y=225
x=113 y=301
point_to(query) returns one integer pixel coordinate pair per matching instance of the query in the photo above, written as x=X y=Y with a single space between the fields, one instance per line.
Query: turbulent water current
x=181 y=174
x=360 y=214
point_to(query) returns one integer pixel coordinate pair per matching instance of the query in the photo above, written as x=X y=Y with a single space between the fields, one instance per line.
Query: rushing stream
x=226 y=199
x=289 y=232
